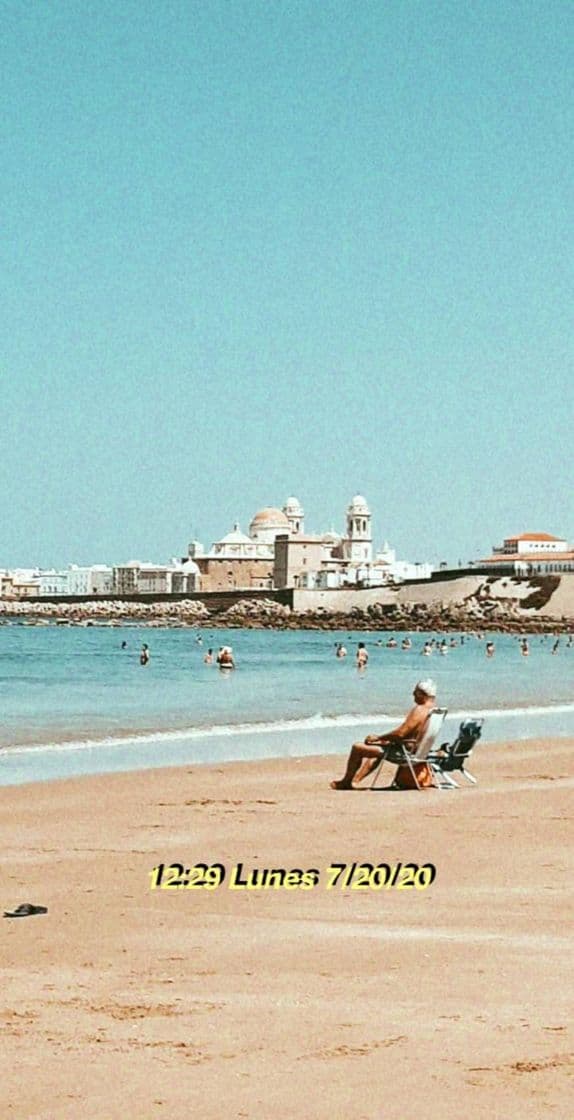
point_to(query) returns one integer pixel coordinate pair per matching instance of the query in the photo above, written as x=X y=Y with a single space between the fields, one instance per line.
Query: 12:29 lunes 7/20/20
x=354 y=876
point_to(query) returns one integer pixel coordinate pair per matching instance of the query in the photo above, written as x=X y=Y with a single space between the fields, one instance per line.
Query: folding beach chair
x=453 y=756
x=411 y=752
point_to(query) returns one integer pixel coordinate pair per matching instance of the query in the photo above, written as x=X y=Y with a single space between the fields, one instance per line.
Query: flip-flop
x=25 y=910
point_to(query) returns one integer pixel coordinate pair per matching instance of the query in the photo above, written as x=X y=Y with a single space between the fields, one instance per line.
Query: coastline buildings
x=531 y=554
x=98 y=580
x=277 y=552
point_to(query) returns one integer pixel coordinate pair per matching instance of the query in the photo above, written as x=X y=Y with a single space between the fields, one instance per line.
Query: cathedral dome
x=359 y=505
x=267 y=524
x=269 y=516
x=235 y=537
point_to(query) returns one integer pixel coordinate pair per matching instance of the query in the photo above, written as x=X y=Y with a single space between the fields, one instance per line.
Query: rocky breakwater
x=492 y=606
x=478 y=613
x=104 y=612
x=257 y=614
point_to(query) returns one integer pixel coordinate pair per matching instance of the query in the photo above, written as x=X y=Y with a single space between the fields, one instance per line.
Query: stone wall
x=341 y=601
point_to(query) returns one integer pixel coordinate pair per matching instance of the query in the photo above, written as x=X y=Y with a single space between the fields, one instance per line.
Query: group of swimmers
x=434 y=645
x=361 y=656
x=224 y=658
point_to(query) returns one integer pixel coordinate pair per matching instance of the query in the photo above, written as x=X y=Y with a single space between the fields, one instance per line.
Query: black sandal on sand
x=25 y=910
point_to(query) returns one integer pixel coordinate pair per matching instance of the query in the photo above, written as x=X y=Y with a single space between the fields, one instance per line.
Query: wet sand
x=360 y=1004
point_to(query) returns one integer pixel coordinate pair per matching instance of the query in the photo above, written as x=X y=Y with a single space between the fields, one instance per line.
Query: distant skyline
x=253 y=250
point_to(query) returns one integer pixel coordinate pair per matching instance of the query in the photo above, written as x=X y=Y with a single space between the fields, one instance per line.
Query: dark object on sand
x=25 y=910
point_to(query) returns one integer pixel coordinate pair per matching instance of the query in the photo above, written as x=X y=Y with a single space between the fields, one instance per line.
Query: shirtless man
x=365 y=756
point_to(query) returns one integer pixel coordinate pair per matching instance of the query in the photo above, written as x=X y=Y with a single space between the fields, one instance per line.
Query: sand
x=448 y=1002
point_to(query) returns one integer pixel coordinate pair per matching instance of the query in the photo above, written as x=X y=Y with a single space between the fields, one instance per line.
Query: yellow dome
x=270 y=516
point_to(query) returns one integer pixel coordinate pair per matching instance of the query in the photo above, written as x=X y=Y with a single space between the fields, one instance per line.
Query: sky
x=249 y=250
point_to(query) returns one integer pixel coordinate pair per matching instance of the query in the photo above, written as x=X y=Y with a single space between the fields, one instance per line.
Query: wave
x=316 y=722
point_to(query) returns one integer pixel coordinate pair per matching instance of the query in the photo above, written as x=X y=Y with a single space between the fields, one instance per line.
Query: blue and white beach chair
x=451 y=757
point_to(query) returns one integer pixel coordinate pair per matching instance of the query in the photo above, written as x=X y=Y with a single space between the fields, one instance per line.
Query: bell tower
x=295 y=515
x=359 y=532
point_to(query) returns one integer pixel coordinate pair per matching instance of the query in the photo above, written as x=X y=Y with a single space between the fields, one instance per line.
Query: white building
x=142 y=578
x=528 y=543
x=94 y=580
x=530 y=554
x=51 y=582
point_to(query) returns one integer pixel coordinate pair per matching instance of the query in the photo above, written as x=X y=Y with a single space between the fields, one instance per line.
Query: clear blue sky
x=254 y=249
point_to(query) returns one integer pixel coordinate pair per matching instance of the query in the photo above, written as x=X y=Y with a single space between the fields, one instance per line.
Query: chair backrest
x=433 y=726
x=469 y=733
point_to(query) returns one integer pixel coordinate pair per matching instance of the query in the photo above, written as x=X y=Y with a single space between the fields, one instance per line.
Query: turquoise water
x=74 y=702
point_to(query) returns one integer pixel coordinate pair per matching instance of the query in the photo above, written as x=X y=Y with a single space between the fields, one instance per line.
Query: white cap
x=427 y=686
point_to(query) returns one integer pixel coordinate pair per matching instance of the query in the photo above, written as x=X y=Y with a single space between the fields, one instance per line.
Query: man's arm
x=408 y=729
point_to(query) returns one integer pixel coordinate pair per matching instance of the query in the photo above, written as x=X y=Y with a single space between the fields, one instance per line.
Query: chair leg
x=469 y=777
x=449 y=782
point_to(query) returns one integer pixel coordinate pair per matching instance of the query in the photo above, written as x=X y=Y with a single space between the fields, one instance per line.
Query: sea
x=74 y=702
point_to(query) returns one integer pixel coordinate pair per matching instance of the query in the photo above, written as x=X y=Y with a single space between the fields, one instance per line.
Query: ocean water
x=74 y=702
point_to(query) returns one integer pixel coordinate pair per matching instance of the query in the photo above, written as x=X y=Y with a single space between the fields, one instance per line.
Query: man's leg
x=368 y=765
x=359 y=753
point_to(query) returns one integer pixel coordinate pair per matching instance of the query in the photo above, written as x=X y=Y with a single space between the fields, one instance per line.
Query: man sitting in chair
x=366 y=756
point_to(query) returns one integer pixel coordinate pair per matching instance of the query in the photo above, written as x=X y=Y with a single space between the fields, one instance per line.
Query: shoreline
x=42 y=761
x=259 y=1001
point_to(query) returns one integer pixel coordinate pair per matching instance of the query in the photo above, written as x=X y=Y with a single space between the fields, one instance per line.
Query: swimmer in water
x=208 y=659
x=427 y=649
x=391 y=644
x=225 y=658
x=144 y=655
x=524 y=648
x=490 y=649
x=361 y=656
x=340 y=651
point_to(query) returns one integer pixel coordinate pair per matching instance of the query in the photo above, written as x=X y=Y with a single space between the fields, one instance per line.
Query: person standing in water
x=144 y=655
x=225 y=658
x=362 y=656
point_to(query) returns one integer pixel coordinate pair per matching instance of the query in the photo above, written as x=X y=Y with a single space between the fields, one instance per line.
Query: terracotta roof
x=534 y=537
x=526 y=557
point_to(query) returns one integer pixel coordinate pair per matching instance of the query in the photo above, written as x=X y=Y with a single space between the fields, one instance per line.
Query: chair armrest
x=398 y=749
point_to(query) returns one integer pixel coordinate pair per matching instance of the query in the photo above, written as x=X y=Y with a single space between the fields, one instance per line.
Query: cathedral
x=278 y=553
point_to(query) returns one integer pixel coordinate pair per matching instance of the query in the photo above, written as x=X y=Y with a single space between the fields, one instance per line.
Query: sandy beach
x=445 y=1002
